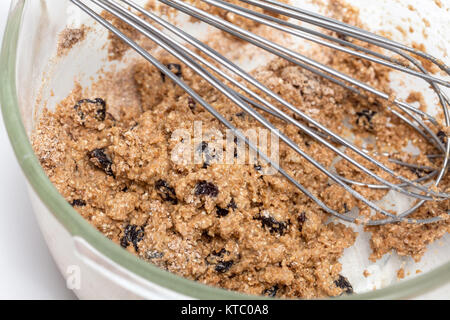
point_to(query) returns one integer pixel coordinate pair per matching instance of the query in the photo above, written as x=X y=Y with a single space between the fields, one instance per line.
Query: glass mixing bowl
x=31 y=77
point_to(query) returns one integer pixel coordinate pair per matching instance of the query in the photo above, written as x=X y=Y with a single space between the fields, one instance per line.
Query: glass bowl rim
x=77 y=226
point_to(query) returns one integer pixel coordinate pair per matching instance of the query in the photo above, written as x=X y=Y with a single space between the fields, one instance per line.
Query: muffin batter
x=108 y=151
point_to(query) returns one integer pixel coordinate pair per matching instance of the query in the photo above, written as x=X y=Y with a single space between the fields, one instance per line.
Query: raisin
x=223 y=266
x=301 y=220
x=206 y=188
x=273 y=225
x=154 y=254
x=132 y=234
x=221 y=212
x=342 y=36
x=100 y=159
x=365 y=117
x=343 y=283
x=175 y=68
x=271 y=292
x=441 y=135
x=191 y=103
x=78 y=203
x=240 y=114
x=166 y=192
x=100 y=113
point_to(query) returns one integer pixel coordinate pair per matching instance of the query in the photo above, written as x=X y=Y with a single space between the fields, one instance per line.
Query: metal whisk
x=423 y=189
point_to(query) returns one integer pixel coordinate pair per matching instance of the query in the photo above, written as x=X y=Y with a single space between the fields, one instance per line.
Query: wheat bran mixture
x=108 y=148
x=70 y=37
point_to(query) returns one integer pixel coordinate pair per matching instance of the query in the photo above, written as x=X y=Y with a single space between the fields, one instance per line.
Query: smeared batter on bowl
x=108 y=151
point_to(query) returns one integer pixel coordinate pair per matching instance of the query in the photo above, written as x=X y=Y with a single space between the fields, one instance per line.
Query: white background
x=27 y=270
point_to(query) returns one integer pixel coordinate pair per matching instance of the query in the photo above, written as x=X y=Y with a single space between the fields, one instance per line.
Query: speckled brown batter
x=108 y=151
x=70 y=37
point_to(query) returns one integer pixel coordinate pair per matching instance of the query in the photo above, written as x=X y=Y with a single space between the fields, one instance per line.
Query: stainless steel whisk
x=421 y=189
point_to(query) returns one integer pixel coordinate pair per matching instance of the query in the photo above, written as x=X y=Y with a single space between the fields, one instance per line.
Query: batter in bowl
x=109 y=151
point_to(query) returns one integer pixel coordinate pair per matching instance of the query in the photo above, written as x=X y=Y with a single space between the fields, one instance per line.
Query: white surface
x=27 y=270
